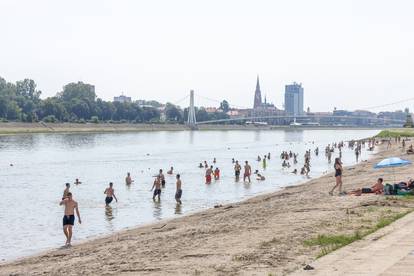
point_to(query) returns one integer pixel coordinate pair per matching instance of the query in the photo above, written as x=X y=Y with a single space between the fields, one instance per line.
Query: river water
x=30 y=215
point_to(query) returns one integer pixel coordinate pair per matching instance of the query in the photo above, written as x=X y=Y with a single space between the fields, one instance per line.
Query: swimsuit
x=108 y=200
x=178 y=194
x=208 y=178
x=338 y=172
x=237 y=172
x=157 y=192
x=68 y=220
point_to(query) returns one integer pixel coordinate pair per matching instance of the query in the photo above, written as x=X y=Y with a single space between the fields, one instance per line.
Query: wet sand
x=261 y=236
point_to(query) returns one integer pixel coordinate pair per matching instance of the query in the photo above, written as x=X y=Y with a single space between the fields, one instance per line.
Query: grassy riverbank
x=392 y=133
x=274 y=233
x=21 y=128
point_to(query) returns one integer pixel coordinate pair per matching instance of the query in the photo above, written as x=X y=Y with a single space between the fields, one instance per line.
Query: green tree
x=224 y=105
x=173 y=113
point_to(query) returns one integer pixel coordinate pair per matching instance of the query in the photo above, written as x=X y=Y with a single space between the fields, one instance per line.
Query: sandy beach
x=264 y=235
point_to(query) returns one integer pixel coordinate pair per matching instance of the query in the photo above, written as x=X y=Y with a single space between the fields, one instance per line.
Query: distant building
x=122 y=99
x=257 y=95
x=294 y=99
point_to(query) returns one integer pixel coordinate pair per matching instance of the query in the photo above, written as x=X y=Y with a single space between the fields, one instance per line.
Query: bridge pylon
x=191 y=121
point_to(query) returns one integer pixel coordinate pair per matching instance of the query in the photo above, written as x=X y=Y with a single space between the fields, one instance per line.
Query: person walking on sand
x=157 y=186
x=69 y=217
x=338 y=176
x=237 y=169
x=128 y=179
x=66 y=191
x=179 y=191
x=110 y=194
x=247 y=171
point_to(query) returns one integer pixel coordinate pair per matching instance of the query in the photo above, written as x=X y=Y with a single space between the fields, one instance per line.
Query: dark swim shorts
x=108 y=200
x=68 y=220
x=157 y=192
x=178 y=194
x=237 y=173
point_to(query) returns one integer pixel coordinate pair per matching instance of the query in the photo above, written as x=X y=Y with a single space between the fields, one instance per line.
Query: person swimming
x=260 y=177
x=77 y=181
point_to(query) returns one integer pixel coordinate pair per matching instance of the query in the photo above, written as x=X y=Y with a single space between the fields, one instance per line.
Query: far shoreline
x=12 y=128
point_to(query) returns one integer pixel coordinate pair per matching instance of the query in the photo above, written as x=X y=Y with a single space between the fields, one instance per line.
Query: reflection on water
x=108 y=213
x=43 y=163
x=178 y=209
x=157 y=210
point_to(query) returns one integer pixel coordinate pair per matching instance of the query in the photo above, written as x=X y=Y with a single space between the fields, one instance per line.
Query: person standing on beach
x=247 y=171
x=237 y=169
x=110 y=194
x=338 y=176
x=66 y=191
x=179 y=191
x=69 y=216
x=157 y=186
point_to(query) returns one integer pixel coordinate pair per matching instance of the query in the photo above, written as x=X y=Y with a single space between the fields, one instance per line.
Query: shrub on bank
x=395 y=133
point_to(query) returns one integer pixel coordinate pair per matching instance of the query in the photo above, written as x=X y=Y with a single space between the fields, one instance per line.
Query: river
x=30 y=215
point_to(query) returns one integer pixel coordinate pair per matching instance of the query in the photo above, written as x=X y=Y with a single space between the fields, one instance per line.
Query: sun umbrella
x=392 y=162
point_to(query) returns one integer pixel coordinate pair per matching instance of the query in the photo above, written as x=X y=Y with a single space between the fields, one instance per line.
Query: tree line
x=78 y=103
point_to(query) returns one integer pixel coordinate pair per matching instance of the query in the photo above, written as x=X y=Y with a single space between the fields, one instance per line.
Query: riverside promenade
x=387 y=252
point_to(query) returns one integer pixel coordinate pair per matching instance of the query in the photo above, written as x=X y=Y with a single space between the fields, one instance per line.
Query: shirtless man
x=69 y=217
x=237 y=169
x=247 y=171
x=128 y=179
x=377 y=188
x=66 y=191
x=171 y=171
x=162 y=178
x=178 y=192
x=157 y=186
x=110 y=194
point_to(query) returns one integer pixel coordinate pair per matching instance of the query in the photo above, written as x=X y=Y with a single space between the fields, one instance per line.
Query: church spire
x=257 y=95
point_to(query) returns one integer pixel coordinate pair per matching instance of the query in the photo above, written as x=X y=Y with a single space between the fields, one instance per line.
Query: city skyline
x=347 y=51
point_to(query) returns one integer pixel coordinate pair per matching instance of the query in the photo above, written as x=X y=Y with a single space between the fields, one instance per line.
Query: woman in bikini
x=338 y=176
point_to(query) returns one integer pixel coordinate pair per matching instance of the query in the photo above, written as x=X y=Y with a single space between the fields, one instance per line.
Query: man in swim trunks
x=157 y=186
x=66 y=191
x=377 y=188
x=237 y=169
x=179 y=191
x=128 y=179
x=110 y=194
x=247 y=171
x=69 y=217
x=162 y=178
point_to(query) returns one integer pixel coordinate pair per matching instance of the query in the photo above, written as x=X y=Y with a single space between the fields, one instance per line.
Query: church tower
x=257 y=95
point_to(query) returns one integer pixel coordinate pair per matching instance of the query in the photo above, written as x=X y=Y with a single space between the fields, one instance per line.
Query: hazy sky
x=347 y=54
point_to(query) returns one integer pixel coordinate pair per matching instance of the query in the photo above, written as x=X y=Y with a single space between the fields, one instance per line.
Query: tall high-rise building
x=257 y=95
x=294 y=99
